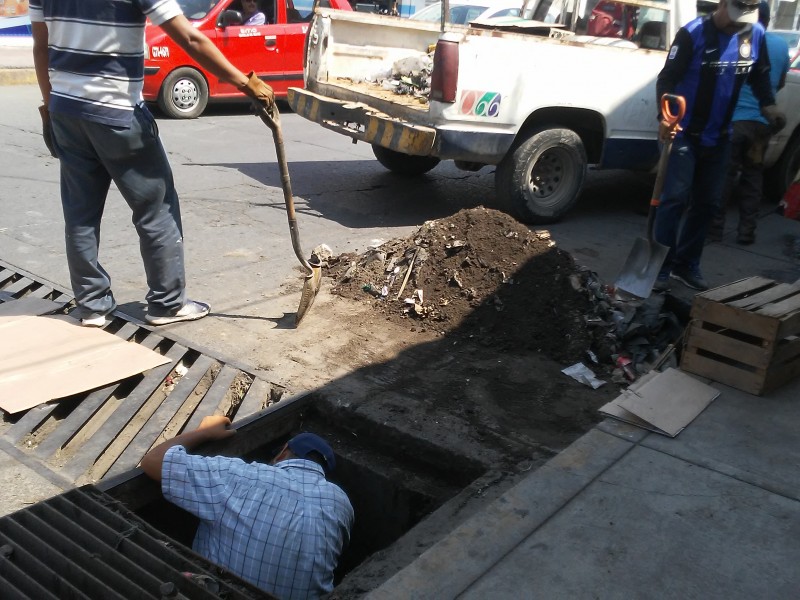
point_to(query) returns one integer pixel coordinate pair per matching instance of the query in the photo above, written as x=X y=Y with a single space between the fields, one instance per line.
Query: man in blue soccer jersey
x=709 y=60
x=89 y=61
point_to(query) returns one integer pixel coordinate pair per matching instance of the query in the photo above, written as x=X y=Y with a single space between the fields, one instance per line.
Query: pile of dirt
x=477 y=275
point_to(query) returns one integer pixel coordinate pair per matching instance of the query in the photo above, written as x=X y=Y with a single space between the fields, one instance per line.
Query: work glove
x=776 y=118
x=47 y=130
x=259 y=91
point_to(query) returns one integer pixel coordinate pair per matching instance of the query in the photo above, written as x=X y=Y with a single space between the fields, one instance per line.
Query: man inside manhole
x=280 y=526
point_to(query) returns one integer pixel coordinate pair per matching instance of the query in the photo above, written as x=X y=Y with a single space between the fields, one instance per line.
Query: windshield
x=197 y=9
x=641 y=24
x=462 y=14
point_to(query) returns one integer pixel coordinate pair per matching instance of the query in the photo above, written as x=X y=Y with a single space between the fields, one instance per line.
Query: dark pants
x=93 y=155
x=745 y=178
x=690 y=200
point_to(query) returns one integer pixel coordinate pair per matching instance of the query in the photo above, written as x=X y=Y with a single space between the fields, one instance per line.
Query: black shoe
x=690 y=277
x=744 y=239
x=662 y=283
x=715 y=235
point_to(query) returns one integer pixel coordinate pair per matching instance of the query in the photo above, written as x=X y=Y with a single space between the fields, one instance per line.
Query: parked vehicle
x=466 y=11
x=182 y=88
x=792 y=39
x=795 y=64
x=540 y=97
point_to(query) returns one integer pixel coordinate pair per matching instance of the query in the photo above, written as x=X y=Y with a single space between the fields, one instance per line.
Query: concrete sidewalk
x=625 y=513
x=16 y=60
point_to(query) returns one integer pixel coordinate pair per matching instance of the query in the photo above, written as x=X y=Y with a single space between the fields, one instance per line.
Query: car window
x=506 y=12
x=197 y=9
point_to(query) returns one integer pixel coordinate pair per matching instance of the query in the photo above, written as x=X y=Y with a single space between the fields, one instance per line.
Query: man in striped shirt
x=89 y=60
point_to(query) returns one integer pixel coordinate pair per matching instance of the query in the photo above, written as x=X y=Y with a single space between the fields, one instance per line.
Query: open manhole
x=399 y=489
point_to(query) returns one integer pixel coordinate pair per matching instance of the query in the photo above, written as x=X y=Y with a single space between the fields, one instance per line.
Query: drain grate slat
x=255 y=399
x=106 y=431
x=142 y=442
x=114 y=425
x=213 y=397
x=13 y=570
x=23 y=530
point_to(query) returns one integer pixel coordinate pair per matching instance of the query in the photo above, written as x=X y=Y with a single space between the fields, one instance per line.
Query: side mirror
x=230 y=17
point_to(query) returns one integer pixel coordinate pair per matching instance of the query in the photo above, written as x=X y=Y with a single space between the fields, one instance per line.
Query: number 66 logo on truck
x=480 y=104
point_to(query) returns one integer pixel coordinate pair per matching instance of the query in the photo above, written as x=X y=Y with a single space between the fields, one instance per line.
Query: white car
x=463 y=12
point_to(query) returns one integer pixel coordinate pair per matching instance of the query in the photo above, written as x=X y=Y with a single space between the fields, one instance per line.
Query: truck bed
x=375 y=92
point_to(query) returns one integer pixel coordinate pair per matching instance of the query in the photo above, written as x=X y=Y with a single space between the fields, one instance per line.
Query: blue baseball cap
x=303 y=443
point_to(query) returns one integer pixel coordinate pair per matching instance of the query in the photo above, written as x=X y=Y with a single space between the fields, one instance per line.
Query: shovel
x=312 y=267
x=647 y=256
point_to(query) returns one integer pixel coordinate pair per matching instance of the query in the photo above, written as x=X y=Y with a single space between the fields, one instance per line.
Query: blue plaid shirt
x=279 y=527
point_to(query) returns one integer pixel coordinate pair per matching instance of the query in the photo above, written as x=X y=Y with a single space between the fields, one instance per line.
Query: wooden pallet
x=745 y=334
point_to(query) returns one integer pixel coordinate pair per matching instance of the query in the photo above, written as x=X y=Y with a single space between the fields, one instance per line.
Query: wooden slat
x=743 y=352
x=737 y=320
x=751 y=382
x=786 y=350
x=254 y=399
x=141 y=443
x=87 y=454
x=725 y=293
x=768 y=296
x=781 y=309
x=213 y=397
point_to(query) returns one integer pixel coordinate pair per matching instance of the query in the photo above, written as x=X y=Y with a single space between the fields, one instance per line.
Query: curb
x=17 y=76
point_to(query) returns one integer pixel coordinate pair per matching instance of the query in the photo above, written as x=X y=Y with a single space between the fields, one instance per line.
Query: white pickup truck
x=543 y=98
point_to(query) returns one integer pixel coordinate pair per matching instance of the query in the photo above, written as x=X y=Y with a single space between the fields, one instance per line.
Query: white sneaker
x=98 y=321
x=191 y=311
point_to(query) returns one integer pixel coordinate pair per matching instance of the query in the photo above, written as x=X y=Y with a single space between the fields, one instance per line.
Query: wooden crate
x=745 y=334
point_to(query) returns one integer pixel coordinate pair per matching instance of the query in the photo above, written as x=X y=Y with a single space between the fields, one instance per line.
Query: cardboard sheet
x=44 y=358
x=662 y=402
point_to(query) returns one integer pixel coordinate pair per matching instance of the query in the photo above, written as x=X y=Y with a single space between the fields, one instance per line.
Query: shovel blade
x=642 y=267
x=310 y=289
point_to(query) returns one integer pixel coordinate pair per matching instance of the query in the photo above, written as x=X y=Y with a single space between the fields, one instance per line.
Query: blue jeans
x=93 y=155
x=692 y=193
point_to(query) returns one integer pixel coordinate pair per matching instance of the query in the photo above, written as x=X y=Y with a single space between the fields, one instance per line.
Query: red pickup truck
x=182 y=88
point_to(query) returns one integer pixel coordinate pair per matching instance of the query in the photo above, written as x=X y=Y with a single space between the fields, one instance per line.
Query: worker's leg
x=139 y=166
x=710 y=169
x=751 y=182
x=674 y=199
x=84 y=187
x=730 y=191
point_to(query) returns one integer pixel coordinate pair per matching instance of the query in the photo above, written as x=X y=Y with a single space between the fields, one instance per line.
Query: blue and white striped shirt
x=96 y=54
x=279 y=527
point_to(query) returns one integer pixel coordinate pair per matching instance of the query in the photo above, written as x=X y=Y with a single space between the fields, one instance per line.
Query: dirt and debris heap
x=479 y=275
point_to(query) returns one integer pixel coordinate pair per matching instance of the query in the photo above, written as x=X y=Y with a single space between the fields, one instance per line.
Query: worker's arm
x=200 y=48
x=211 y=428
x=41 y=59
x=675 y=67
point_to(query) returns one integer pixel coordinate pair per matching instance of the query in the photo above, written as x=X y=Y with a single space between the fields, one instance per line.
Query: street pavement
x=623 y=512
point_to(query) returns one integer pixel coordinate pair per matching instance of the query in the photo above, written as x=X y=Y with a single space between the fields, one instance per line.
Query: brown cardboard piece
x=44 y=358
x=662 y=402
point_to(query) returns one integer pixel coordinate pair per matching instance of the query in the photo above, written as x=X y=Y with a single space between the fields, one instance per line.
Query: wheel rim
x=185 y=95
x=550 y=176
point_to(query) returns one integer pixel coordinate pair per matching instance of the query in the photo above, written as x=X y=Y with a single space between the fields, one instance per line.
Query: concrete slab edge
x=451 y=565
x=17 y=77
x=35 y=466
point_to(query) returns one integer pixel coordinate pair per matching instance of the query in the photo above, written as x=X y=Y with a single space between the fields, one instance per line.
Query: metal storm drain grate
x=85 y=544
x=105 y=432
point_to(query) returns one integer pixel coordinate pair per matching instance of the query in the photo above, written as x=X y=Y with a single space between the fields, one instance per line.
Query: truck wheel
x=184 y=94
x=541 y=177
x=404 y=164
x=778 y=178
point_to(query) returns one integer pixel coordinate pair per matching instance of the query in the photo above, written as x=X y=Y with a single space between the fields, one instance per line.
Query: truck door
x=259 y=48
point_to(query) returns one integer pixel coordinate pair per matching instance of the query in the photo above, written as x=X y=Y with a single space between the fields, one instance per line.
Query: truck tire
x=778 y=178
x=540 y=178
x=184 y=94
x=404 y=164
